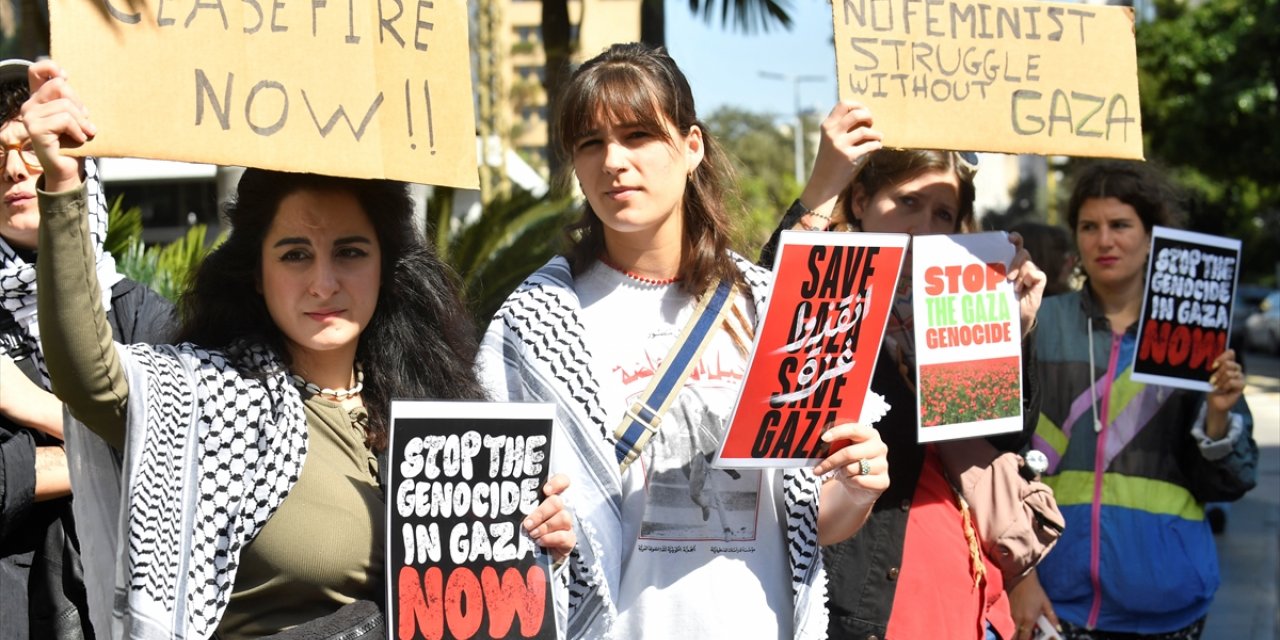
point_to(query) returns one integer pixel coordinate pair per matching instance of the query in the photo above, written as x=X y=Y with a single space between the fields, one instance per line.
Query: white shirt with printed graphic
x=707 y=555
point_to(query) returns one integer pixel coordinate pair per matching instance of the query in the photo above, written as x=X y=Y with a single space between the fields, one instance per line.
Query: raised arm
x=845 y=140
x=83 y=365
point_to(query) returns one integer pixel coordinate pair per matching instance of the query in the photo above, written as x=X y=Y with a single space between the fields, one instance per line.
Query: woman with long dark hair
x=253 y=487
x=673 y=547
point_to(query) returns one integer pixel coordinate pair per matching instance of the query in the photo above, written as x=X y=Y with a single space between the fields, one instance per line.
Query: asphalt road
x=1247 y=606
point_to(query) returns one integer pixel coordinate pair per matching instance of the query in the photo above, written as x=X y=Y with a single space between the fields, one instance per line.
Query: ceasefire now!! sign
x=363 y=89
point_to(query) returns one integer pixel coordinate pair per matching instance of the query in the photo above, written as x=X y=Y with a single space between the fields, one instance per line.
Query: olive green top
x=321 y=549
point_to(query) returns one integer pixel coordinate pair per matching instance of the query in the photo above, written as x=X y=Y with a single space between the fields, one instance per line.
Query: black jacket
x=41 y=587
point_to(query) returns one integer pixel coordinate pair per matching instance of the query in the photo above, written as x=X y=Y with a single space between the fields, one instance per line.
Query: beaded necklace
x=657 y=282
x=339 y=394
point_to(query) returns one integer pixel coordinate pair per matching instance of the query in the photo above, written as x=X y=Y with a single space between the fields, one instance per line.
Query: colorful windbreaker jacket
x=1137 y=555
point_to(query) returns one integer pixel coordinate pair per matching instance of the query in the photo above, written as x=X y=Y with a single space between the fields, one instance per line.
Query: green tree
x=1211 y=113
x=558 y=45
x=24 y=25
x=764 y=168
x=167 y=268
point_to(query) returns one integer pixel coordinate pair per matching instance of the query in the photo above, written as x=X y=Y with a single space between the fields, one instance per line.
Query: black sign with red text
x=1186 y=309
x=463 y=476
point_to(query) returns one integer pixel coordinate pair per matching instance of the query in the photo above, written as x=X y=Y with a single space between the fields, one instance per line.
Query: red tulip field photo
x=971 y=391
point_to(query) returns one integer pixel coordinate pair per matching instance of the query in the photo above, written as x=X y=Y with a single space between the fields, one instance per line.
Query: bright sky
x=724 y=67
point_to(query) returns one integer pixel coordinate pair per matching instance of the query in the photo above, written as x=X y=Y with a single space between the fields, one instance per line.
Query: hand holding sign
x=861 y=465
x=1029 y=605
x=551 y=525
x=56 y=120
x=1028 y=283
x=844 y=142
x=1228 y=384
x=857 y=473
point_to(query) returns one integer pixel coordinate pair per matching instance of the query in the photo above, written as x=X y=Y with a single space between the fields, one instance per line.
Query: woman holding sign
x=1132 y=463
x=254 y=498
x=917 y=569
x=673 y=547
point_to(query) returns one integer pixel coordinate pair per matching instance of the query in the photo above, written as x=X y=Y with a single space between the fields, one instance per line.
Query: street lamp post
x=798 y=131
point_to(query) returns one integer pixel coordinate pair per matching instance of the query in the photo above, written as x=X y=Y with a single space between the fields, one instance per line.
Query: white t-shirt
x=704 y=549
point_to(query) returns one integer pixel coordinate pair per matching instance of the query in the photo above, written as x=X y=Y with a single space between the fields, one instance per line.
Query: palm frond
x=124 y=228
x=510 y=238
x=746 y=16
x=174 y=263
x=165 y=268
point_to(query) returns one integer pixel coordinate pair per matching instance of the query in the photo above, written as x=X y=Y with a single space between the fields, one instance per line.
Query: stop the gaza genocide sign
x=339 y=87
x=1014 y=76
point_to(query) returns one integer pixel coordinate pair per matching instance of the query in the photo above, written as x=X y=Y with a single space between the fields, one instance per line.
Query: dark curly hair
x=641 y=84
x=1140 y=185
x=420 y=342
x=12 y=94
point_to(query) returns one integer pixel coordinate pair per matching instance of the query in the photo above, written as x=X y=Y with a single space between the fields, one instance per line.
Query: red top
x=935 y=597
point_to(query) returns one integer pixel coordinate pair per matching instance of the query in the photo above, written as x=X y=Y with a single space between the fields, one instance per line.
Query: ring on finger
x=864 y=467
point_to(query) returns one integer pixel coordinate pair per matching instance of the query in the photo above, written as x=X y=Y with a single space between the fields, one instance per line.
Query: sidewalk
x=1247 y=606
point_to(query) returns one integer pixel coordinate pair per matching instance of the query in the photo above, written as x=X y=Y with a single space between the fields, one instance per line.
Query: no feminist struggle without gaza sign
x=1014 y=76
x=339 y=87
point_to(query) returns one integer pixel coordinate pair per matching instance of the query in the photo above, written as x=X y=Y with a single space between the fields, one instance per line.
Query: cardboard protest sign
x=968 y=337
x=816 y=346
x=463 y=476
x=361 y=89
x=1015 y=76
x=1186 y=310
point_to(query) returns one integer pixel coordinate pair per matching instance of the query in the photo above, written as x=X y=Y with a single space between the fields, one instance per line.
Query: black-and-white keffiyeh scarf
x=534 y=350
x=215 y=442
x=18 y=277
